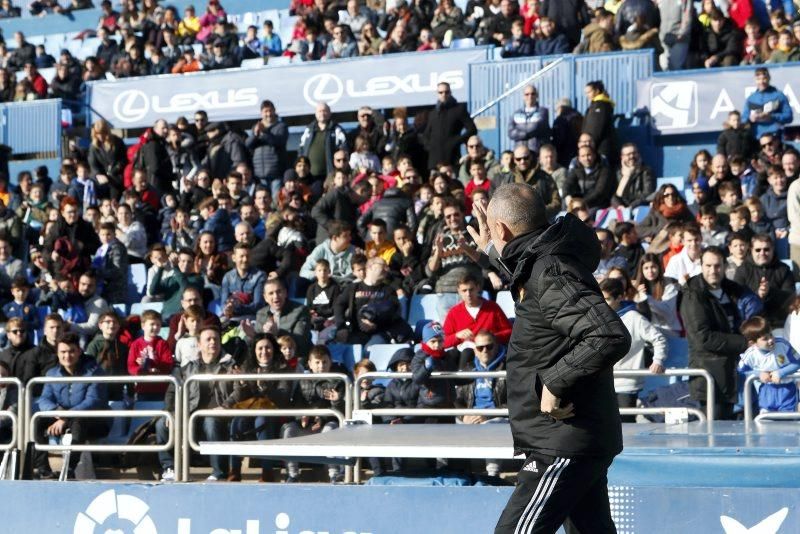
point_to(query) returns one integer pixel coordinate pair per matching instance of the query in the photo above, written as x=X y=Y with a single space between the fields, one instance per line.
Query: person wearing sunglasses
x=484 y=393
x=449 y=126
x=769 y=278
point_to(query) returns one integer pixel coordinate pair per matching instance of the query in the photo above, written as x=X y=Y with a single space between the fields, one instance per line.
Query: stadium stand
x=280 y=225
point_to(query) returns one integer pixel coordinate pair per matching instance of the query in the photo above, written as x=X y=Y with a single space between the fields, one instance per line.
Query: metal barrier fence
x=17 y=435
x=641 y=373
x=777 y=416
x=31 y=418
x=489 y=80
x=32 y=127
x=748 y=396
x=188 y=443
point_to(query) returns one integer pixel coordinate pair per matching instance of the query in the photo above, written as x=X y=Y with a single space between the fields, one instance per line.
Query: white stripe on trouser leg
x=535 y=497
x=543 y=501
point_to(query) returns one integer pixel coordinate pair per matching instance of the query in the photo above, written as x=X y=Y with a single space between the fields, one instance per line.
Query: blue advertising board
x=94 y=508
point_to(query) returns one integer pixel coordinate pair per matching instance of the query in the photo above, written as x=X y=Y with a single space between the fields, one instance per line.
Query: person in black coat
x=735 y=139
x=339 y=204
x=566 y=131
x=570 y=17
x=65 y=85
x=591 y=179
x=154 y=159
x=709 y=308
x=635 y=182
x=75 y=229
x=599 y=120
x=630 y=10
x=565 y=341
x=394 y=208
x=107 y=158
x=449 y=126
x=769 y=278
x=722 y=43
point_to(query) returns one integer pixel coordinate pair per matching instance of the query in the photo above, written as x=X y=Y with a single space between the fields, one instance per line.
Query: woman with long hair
x=658 y=292
x=700 y=166
x=107 y=158
x=668 y=206
x=264 y=358
x=209 y=262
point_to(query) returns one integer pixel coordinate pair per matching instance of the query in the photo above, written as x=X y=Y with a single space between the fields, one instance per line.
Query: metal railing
x=664 y=411
x=530 y=79
x=777 y=416
x=188 y=443
x=641 y=373
x=173 y=441
x=748 y=394
x=17 y=430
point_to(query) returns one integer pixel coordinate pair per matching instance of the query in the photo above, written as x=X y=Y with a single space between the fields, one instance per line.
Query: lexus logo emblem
x=326 y=88
x=131 y=106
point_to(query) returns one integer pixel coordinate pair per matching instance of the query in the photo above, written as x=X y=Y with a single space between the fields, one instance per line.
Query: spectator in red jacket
x=36 y=80
x=150 y=355
x=473 y=314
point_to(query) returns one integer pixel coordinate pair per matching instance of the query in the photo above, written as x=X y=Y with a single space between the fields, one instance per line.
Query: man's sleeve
x=578 y=311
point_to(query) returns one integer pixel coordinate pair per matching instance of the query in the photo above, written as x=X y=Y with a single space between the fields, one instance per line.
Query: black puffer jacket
x=596 y=187
x=631 y=9
x=156 y=164
x=337 y=204
x=395 y=208
x=401 y=392
x=713 y=344
x=599 y=123
x=269 y=150
x=564 y=337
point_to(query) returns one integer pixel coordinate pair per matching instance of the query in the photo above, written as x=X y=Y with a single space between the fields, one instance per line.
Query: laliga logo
x=117 y=510
x=134 y=105
x=330 y=88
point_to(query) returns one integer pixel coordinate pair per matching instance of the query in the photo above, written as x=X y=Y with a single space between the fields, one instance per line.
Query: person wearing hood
x=218 y=222
x=202 y=395
x=564 y=343
x=154 y=159
x=401 y=392
x=81 y=396
x=484 y=393
x=449 y=126
x=642 y=333
x=599 y=119
x=431 y=357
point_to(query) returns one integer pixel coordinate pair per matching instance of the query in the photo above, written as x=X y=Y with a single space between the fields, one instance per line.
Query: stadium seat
x=640 y=212
x=137 y=282
x=506 y=302
x=278 y=61
x=346 y=355
x=215 y=307
x=137 y=308
x=255 y=63
x=381 y=354
x=121 y=309
x=432 y=307
x=463 y=43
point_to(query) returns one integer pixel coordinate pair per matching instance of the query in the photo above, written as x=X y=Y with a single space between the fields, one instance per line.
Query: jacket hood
x=402 y=355
x=625 y=307
x=567 y=236
x=494 y=364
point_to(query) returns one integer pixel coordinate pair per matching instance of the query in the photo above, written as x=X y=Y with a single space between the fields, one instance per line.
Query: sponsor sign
x=699 y=101
x=385 y=82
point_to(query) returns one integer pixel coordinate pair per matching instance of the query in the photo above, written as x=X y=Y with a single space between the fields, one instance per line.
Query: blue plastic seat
x=381 y=354
x=137 y=282
x=346 y=355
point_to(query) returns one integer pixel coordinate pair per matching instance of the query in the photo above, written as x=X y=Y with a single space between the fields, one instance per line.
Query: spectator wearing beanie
x=431 y=357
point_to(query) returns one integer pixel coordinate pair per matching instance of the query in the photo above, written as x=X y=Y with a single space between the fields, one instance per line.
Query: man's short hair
x=337 y=228
x=69 y=338
x=623 y=228
x=319 y=352
x=209 y=202
x=612 y=286
x=716 y=251
x=241 y=246
x=692 y=229
x=520 y=206
x=762 y=238
x=378 y=222
x=274 y=282
x=358 y=259
x=186 y=251
x=469 y=278
x=15 y=321
x=53 y=317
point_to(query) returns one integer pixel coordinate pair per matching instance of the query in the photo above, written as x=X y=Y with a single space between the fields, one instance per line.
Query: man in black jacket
x=155 y=160
x=591 y=179
x=768 y=278
x=565 y=342
x=443 y=133
x=710 y=312
x=395 y=208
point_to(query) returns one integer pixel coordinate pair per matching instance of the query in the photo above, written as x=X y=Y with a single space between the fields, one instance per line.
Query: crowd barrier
x=182 y=440
x=188 y=442
x=748 y=398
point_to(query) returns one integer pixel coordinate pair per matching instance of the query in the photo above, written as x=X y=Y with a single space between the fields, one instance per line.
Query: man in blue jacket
x=71 y=396
x=767 y=109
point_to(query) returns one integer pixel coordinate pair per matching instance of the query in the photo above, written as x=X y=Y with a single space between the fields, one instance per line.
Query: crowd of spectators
x=141 y=39
x=262 y=260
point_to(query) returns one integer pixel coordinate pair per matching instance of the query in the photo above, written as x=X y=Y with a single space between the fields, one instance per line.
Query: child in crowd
x=739 y=222
x=729 y=195
x=288 y=348
x=738 y=252
x=111 y=353
x=772 y=360
x=713 y=234
x=150 y=355
x=359 y=267
x=371 y=399
x=186 y=349
x=424 y=196
x=157 y=255
x=643 y=333
x=758 y=221
x=21 y=306
x=321 y=295
x=324 y=393
x=377 y=242
x=433 y=393
x=774 y=200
